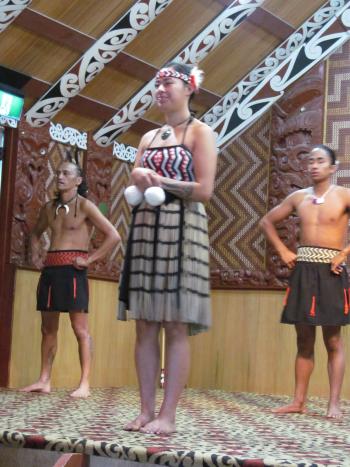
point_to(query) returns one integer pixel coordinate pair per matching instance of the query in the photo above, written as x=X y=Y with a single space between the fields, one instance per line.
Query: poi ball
x=133 y=195
x=155 y=195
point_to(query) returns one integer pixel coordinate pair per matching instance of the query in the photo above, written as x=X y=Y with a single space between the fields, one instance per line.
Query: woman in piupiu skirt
x=165 y=277
x=317 y=296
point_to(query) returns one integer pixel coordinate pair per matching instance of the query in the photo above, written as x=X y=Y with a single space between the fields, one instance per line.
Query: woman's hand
x=144 y=178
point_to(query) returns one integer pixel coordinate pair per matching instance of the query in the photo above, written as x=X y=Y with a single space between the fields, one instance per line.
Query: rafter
x=200 y=46
x=76 y=40
x=266 y=20
x=86 y=106
x=82 y=105
x=271 y=23
x=9 y=10
x=92 y=62
x=320 y=35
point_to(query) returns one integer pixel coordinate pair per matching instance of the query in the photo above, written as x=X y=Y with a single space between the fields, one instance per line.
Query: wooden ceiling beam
x=271 y=23
x=267 y=21
x=224 y=3
x=84 y=105
x=78 y=41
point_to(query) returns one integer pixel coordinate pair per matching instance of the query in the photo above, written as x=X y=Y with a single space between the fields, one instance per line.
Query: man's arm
x=111 y=236
x=41 y=225
x=267 y=224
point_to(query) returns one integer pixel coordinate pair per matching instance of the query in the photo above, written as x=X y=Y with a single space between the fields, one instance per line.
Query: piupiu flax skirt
x=316 y=296
x=166 y=267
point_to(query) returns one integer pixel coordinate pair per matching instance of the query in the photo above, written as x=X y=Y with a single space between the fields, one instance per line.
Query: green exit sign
x=10 y=105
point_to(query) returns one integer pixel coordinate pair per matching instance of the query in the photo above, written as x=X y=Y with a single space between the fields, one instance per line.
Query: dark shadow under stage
x=215 y=428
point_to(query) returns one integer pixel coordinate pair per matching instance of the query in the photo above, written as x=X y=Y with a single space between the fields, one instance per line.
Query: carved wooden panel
x=296 y=125
x=38 y=159
x=31 y=175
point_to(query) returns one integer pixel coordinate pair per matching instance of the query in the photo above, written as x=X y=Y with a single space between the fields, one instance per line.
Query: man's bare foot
x=83 y=391
x=290 y=408
x=159 y=426
x=138 y=422
x=334 y=411
x=38 y=387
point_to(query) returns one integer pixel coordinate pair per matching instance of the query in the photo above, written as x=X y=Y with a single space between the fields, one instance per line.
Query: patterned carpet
x=215 y=428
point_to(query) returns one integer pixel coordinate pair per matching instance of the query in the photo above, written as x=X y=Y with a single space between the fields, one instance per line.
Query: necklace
x=65 y=205
x=320 y=199
x=167 y=130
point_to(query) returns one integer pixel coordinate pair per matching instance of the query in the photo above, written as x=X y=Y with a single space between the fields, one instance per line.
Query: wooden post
x=7 y=270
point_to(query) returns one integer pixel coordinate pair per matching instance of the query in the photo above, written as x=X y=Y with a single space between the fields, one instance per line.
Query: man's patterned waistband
x=314 y=254
x=63 y=257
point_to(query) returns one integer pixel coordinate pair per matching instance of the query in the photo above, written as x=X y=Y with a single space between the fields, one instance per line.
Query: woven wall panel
x=337 y=130
x=238 y=203
x=119 y=209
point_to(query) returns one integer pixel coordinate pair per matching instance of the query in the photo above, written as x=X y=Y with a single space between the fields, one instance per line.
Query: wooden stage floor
x=215 y=428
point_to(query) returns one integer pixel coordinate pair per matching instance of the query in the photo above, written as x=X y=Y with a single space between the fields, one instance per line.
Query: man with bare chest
x=63 y=285
x=318 y=293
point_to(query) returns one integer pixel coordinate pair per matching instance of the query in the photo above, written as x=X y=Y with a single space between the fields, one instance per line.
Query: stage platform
x=215 y=428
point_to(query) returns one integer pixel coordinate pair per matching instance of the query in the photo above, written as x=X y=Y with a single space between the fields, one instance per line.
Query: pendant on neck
x=167 y=130
x=318 y=200
x=60 y=205
x=165 y=134
x=65 y=206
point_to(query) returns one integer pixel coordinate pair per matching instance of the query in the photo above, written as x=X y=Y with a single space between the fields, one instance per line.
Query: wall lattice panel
x=120 y=211
x=337 y=114
x=337 y=129
x=239 y=202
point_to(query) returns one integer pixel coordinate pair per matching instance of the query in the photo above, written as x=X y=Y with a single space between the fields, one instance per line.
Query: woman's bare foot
x=159 y=426
x=334 y=411
x=83 y=391
x=294 y=407
x=138 y=422
x=40 y=386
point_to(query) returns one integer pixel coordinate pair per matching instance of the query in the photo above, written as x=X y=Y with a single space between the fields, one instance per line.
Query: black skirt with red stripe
x=63 y=288
x=316 y=296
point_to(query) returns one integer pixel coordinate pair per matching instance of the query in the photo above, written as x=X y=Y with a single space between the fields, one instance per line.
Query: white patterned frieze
x=68 y=135
x=124 y=152
x=7 y=121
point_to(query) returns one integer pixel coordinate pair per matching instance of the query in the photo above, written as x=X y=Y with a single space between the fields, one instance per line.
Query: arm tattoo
x=183 y=190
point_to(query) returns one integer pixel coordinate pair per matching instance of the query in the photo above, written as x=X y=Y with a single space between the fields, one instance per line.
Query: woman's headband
x=195 y=77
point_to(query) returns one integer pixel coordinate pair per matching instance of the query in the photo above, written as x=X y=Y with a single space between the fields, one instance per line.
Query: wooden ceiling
x=48 y=37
